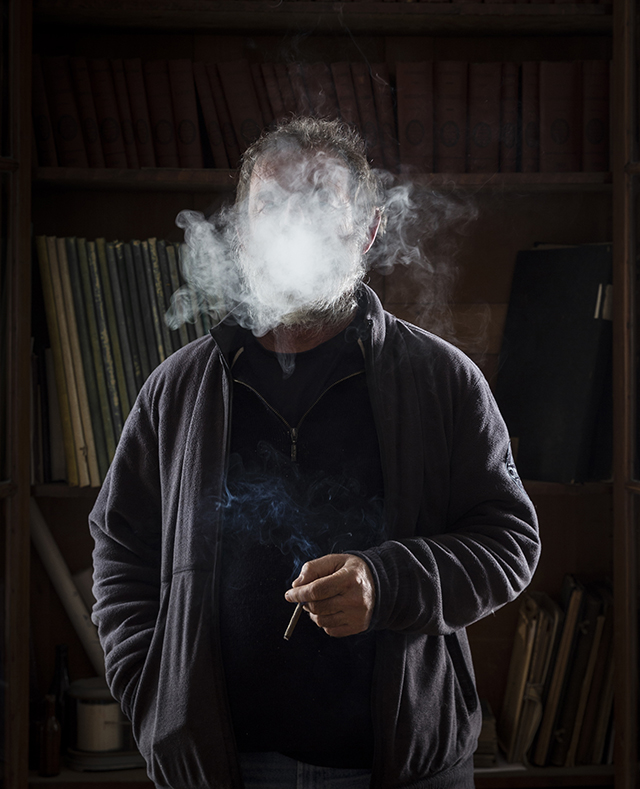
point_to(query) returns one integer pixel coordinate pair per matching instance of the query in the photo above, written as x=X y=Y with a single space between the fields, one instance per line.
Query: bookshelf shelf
x=169 y=179
x=323 y=17
x=115 y=779
x=60 y=490
x=518 y=778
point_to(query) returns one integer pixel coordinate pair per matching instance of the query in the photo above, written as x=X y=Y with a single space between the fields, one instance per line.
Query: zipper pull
x=293 y=432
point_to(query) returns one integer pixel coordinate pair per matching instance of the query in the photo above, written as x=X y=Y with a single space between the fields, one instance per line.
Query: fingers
x=338 y=593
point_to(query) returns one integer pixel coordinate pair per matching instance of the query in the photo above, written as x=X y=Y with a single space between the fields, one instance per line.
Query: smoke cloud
x=296 y=248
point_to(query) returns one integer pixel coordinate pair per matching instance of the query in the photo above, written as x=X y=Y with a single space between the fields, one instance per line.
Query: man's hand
x=337 y=591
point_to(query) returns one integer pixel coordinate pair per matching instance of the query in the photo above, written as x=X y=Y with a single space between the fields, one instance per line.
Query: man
x=314 y=450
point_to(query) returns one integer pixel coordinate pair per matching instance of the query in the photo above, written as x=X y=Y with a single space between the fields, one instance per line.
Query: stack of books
x=440 y=116
x=105 y=305
x=558 y=705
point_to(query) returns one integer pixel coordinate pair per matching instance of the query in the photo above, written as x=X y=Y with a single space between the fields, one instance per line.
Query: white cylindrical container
x=98 y=716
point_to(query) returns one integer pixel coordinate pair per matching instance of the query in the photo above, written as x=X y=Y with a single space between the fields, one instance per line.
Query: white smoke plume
x=295 y=249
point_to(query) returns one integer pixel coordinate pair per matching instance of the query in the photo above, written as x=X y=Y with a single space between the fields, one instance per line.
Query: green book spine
x=84 y=336
x=67 y=356
x=112 y=326
x=93 y=334
x=160 y=296
x=145 y=305
x=105 y=341
x=90 y=451
x=121 y=321
x=58 y=364
x=137 y=311
x=168 y=289
x=129 y=314
x=151 y=290
x=175 y=285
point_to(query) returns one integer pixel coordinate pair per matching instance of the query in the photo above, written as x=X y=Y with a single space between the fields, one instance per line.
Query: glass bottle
x=50 y=739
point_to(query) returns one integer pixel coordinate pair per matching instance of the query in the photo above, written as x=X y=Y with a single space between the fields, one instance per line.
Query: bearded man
x=314 y=450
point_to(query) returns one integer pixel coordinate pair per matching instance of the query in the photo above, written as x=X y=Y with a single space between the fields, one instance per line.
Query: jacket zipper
x=294 y=432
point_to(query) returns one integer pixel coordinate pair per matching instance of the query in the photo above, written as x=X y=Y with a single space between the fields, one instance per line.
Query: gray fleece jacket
x=463 y=542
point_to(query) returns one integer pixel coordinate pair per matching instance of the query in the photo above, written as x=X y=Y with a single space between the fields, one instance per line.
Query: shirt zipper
x=294 y=432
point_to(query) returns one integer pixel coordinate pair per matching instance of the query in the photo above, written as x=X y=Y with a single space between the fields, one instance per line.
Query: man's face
x=301 y=249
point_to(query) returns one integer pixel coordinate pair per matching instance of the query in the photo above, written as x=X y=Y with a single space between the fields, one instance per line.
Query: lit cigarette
x=293 y=621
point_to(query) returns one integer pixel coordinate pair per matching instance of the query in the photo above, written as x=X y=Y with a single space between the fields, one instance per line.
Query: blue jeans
x=275 y=771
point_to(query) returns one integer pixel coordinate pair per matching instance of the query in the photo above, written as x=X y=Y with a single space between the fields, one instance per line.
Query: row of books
x=442 y=116
x=105 y=305
x=558 y=705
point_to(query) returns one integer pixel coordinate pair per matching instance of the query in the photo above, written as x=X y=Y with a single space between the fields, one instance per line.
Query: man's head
x=309 y=208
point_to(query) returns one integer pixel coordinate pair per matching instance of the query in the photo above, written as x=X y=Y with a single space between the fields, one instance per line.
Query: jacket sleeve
x=126 y=527
x=486 y=549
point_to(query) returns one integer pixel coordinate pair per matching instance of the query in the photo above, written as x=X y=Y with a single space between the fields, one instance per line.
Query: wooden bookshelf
x=119 y=24
x=176 y=180
x=333 y=17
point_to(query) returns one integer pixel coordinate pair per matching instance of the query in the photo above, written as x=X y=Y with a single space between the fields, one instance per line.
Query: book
x=156 y=316
x=106 y=103
x=228 y=134
x=124 y=111
x=519 y=670
x=65 y=119
x=346 y=94
x=595 y=115
x=104 y=336
x=286 y=90
x=167 y=288
x=210 y=117
x=382 y=94
x=261 y=92
x=555 y=354
x=321 y=90
x=560 y=116
x=139 y=111
x=104 y=393
x=509 y=117
x=159 y=293
x=71 y=463
x=172 y=260
x=530 y=123
x=119 y=319
x=88 y=367
x=367 y=112
x=42 y=127
x=90 y=458
x=131 y=310
x=163 y=132
x=273 y=91
x=77 y=428
x=414 y=84
x=598 y=691
x=299 y=89
x=86 y=110
x=244 y=108
x=185 y=110
x=56 y=454
x=572 y=605
x=450 y=116
x=127 y=270
x=549 y=621
x=144 y=294
x=603 y=591
x=483 y=153
x=580 y=670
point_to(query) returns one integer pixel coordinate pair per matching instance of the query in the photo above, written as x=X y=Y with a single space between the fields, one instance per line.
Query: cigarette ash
x=305 y=515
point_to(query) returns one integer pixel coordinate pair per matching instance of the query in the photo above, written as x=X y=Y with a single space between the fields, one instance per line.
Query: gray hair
x=313 y=135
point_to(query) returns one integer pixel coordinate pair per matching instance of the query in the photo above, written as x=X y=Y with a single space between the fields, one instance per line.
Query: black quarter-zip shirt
x=305 y=479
